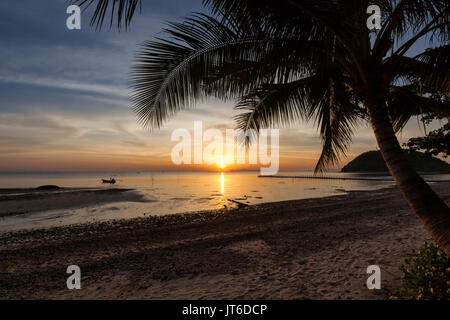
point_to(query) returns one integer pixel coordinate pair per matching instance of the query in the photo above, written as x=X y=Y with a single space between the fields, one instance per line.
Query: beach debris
x=240 y=204
x=48 y=187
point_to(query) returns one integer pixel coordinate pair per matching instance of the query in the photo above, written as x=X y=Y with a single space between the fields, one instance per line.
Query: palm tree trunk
x=431 y=210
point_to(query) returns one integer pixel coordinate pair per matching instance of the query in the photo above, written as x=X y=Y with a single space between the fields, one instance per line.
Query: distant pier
x=342 y=178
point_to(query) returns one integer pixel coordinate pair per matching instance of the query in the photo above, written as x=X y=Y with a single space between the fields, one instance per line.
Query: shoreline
x=16 y=202
x=104 y=196
x=181 y=217
x=299 y=249
x=33 y=208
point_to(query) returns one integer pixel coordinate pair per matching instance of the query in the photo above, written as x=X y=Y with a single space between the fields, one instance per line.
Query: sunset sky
x=64 y=97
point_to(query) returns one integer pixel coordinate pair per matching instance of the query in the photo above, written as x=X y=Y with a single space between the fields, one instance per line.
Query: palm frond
x=437 y=68
x=314 y=20
x=413 y=19
x=313 y=97
x=404 y=102
x=337 y=117
x=428 y=71
x=275 y=105
x=121 y=11
x=170 y=74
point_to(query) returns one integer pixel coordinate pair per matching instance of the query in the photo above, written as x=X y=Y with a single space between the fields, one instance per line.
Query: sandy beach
x=303 y=249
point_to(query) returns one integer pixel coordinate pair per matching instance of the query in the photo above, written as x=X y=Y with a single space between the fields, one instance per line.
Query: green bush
x=426 y=275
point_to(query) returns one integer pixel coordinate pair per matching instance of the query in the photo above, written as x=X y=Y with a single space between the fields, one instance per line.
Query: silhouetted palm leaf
x=120 y=10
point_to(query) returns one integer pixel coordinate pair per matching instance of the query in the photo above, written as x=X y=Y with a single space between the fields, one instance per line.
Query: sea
x=180 y=192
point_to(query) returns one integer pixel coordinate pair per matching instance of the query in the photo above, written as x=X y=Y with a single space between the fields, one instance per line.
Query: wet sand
x=26 y=201
x=303 y=249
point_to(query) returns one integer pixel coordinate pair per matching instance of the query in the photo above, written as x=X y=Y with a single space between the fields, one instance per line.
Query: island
x=372 y=161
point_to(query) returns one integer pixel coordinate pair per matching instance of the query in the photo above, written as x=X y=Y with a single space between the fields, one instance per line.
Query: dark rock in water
x=372 y=161
x=49 y=187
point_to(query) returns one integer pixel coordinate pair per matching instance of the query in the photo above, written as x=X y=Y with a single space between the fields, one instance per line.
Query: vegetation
x=426 y=275
x=372 y=161
x=436 y=142
x=310 y=60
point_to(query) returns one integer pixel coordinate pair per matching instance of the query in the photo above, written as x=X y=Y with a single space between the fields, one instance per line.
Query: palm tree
x=305 y=60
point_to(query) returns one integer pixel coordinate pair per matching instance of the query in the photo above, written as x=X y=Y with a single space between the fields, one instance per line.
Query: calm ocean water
x=176 y=192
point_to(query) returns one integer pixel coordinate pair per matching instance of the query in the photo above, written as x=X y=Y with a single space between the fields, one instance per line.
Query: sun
x=222 y=165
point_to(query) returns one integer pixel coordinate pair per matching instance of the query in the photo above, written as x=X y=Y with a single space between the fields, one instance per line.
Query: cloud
x=67 y=85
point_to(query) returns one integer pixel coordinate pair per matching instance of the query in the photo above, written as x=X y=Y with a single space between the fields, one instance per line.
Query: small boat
x=110 y=181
